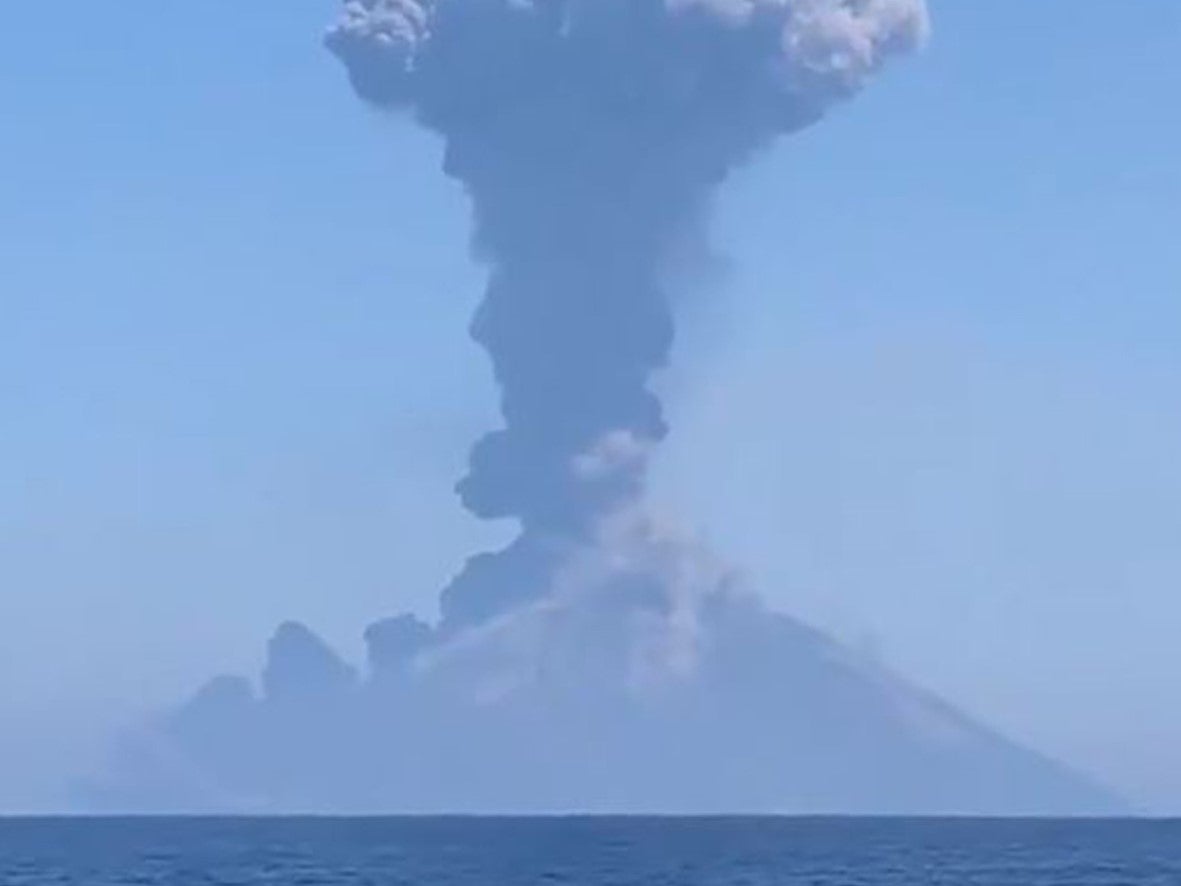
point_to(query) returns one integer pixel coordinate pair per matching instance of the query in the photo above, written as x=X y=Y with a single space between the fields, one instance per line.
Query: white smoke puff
x=559 y=638
x=667 y=638
x=664 y=634
x=387 y=33
x=618 y=452
x=399 y=23
x=836 y=44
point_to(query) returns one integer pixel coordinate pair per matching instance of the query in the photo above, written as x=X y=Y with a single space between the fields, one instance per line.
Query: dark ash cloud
x=600 y=662
x=590 y=136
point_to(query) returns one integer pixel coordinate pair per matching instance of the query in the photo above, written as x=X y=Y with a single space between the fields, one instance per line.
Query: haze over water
x=590 y=852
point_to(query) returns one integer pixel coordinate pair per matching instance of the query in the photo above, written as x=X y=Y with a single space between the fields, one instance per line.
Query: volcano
x=522 y=717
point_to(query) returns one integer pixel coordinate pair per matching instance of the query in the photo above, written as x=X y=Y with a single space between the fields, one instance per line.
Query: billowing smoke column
x=589 y=134
x=600 y=663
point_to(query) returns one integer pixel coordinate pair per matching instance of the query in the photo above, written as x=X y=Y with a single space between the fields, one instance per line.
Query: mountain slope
x=555 y=709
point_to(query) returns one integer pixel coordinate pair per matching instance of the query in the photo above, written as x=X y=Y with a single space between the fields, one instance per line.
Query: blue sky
x=928 y=404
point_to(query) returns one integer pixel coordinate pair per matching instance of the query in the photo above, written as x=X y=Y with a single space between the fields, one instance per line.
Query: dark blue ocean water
x=551 y=852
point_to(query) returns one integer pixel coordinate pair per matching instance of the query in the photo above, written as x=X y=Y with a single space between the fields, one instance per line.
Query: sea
x=577 y=851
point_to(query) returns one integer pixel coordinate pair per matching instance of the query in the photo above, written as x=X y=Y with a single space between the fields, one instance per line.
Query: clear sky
x=928 y=403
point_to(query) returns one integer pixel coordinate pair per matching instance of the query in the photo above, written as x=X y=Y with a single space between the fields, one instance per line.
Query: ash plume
x=590 y=136
x=601 y=662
